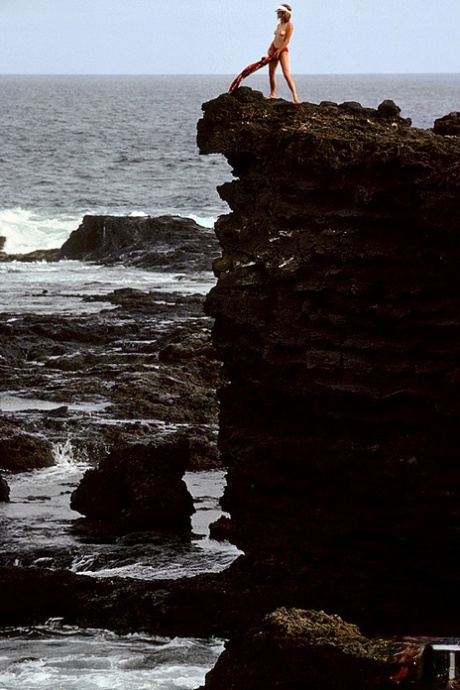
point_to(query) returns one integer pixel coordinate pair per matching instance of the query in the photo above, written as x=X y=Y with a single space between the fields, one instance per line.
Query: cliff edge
x=337 y=319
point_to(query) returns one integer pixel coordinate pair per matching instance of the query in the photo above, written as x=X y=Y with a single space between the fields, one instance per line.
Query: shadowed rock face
x=337 y=319
x=295 y=649
x=138 y=487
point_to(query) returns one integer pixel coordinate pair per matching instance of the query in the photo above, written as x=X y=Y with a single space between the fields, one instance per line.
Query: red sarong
x=249 y=70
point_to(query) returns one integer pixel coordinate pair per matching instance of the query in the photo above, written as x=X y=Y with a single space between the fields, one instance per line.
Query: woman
x=280 y=52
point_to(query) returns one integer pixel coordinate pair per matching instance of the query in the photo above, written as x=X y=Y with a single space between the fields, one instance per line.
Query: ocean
x=122 y=145
x=126 y=145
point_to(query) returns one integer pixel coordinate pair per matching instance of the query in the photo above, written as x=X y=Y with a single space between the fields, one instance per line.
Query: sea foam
x=27 y=230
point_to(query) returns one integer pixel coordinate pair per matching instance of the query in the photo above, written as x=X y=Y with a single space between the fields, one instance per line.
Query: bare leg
x=271 y=73
x=284 y=59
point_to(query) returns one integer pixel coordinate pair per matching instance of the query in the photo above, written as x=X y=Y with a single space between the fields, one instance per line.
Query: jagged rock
x=4 y=491
x=389 y=108
x=162 y=243
x=149 y=359
x=295 y=649
x=337 y=322
x=449 y=125
x=221 y=529
x=21 y=452
x=136 y=488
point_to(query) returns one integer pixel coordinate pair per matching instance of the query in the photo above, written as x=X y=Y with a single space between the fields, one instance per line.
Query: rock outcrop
x=159 y=243
x=20 y=452
x=337 y=320
x=294 y=649
x=136 y=488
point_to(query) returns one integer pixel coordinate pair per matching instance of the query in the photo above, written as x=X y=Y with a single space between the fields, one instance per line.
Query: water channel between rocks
x=35 y=529
x=35 y=525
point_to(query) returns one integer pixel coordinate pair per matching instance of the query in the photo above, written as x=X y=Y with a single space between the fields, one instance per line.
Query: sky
x=223 y=36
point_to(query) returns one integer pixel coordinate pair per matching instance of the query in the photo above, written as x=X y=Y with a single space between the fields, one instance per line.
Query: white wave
x=27 y=230
x=67 y=657
x=204 y=221
x=66 y=457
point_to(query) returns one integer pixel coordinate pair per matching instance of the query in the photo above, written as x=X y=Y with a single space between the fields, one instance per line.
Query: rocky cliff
x=337 y=318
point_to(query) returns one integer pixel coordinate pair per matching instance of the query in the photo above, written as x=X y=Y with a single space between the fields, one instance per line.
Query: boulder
x=449 y=125
x=388 y=108
x=161 y=243
x=136 y=488
x=20 y=452
x=221 y=529
x=295 y=649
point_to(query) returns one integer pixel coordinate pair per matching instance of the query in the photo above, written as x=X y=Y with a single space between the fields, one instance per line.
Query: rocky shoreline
x=138 y=372
x=335 y=318
x=144 y=357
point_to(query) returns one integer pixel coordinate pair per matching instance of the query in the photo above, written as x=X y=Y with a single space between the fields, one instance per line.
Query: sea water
x=126 y=145
x=71 y=146
x=55 y=656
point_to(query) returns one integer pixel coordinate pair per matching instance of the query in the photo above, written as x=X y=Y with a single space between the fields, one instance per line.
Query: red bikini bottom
x=285 y=50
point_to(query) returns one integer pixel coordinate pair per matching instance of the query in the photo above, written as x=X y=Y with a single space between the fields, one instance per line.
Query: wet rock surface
x=148 y=364
x=162 y=243
x=136 y=488
x=145 y=359
x=21 y=451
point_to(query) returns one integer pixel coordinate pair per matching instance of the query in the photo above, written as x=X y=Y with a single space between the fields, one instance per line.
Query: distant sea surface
x=71 y=145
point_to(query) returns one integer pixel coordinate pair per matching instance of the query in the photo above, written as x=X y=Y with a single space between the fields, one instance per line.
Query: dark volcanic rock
x=148 y=361
x=139 y=487
x=221 y=529
x=295 y=649
x=36 y=255
x=163 y=243
x=389 y=108
x=20 y=452
x=4 y=491
x=449 y=125
x=337 y=320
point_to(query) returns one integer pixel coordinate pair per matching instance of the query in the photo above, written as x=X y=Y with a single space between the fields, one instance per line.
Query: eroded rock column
x=337 y=318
